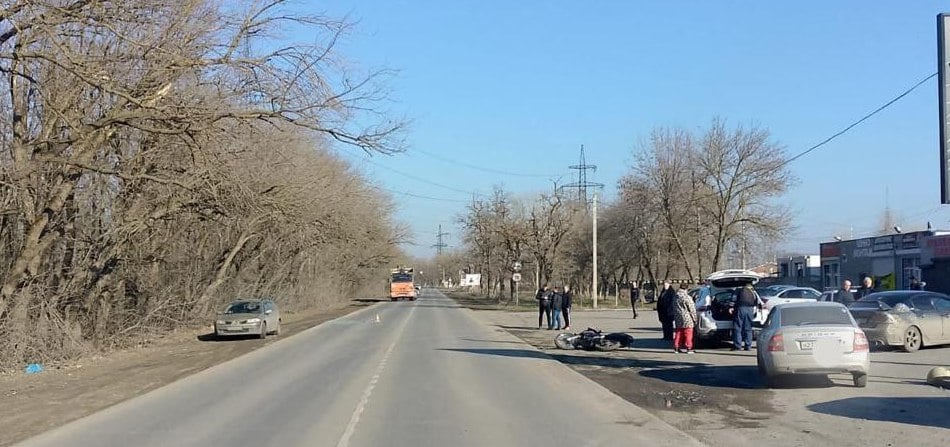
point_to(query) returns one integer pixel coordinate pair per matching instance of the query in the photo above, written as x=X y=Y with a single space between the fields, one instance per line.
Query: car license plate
x=807 y=345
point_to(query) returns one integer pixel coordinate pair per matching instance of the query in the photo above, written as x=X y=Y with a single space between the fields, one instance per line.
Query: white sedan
x=812 y=338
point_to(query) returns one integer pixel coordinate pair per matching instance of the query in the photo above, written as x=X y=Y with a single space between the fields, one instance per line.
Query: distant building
x=798 y=269
x=807 y=267
x=891 y=260
x=769 y=269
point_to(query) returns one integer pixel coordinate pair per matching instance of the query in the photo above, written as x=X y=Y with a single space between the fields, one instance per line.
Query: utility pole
x=440 y=243
x=594 y=276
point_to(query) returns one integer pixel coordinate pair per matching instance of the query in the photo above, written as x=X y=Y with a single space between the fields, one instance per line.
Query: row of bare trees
x=691 y=203
x=160 y=157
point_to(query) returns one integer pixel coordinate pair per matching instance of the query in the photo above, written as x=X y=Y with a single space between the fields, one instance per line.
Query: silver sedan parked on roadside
x=248 y=317
x=812 y=338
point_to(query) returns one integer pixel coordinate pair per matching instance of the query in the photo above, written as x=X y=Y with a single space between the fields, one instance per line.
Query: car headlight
x=219 y=322
x=252 y=320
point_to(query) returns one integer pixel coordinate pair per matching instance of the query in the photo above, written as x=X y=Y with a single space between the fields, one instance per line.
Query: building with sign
x=891 y=260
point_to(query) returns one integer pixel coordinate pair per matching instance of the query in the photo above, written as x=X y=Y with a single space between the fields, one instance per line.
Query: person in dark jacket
x=567 y=297
x=557 y=303
x=845 y=295
x=634 y=298
x=544 y=304
x=743 y=312
x=915 y=284
x=867 y=288
x=664 y=309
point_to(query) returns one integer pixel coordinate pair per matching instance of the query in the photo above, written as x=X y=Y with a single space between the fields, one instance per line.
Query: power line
x=479 y=168
x=419 y=179
x=418 y=196
x=854 y=124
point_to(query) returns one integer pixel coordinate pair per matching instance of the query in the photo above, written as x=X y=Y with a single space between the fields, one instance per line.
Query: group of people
x=554 y=303
x=846 y=295
x=677 y=314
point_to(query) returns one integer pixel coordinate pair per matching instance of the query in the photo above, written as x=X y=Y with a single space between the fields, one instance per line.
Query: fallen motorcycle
x=593 y=339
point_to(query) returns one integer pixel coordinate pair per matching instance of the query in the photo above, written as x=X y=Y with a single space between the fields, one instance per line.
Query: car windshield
x=402 y=277
x=816 y=316
x=243 y=307
x=768 y=291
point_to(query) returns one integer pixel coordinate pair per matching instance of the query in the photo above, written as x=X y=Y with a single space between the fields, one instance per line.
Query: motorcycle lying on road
x=593 y=339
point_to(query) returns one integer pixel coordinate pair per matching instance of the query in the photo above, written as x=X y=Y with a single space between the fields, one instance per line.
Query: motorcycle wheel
x=565 y=341
x=605 y=344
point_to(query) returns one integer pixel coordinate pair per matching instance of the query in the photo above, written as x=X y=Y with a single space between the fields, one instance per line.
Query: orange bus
x=401 y=284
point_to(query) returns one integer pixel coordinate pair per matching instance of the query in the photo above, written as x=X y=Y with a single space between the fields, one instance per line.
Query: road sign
x=516 y=277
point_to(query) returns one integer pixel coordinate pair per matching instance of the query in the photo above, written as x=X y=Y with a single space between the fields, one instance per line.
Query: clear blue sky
x=519 y=86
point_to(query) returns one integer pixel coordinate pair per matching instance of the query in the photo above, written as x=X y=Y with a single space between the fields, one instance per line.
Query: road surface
x=717 y=396
x=427 y=373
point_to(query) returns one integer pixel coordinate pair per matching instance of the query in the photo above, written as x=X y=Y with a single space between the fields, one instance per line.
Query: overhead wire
x=479 y=168
x=856 y=123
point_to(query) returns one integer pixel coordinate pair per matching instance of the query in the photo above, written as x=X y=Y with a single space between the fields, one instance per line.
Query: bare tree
x=746 y=172
x=161 y=156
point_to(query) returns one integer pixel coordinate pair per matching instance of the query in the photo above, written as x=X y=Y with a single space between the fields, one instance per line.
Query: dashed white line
x=364 y=400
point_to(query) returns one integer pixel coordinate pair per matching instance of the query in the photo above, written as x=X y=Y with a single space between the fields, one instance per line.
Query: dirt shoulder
x=32 y=404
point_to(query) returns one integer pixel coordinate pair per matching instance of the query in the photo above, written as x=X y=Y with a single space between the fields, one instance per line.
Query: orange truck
x=401 y=284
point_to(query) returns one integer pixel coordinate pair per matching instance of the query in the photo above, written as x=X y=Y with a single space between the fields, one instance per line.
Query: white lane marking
x=364 y=400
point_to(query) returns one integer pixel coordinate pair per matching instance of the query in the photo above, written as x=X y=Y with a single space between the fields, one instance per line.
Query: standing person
x=845 y=295
x=684 y=319
x=867 y=288
x=557 y=303
x=915 y=284
x=566 y=299
x=544 y=304
x=743 y=312
x=634 y=298
x=664 y=309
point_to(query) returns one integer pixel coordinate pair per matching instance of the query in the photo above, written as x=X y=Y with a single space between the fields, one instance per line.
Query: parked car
x=248 y=317
x=715 y=321
x=907 y=318
x=812 y=338
x=782 y=294
x=828 y=296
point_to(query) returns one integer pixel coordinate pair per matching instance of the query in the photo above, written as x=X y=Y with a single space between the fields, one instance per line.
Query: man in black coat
x=566 y=297
x=544 y=304
x=664 y=309
x=866 y=288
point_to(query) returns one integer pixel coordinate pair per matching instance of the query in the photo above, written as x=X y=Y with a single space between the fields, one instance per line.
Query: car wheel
x=912 y=339
x=277 y=331
x=263 y=330
x=860 y=380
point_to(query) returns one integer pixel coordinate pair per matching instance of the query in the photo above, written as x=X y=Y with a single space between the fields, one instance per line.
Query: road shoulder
x=33 y=404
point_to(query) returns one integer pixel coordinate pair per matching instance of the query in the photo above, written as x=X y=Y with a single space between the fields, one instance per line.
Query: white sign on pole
x=516 y=277
x=472 y=279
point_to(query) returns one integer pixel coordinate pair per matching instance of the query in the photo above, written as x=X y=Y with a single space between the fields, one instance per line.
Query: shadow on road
x=443 y=306
x=370 y=300
x=518 y=328
x=740 y=377
x=924 y=411
x=211 y=337
x=593 y=359
x=521 y=353
x=493 y=341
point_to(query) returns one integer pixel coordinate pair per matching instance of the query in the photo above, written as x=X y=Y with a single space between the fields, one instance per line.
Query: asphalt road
x=717 y=397
x=427 y=373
